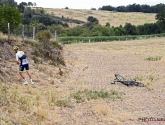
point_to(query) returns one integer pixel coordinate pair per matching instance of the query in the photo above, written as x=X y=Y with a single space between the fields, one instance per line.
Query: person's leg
x=21 y=68
x=29 y=74
x=27 y=71
x=21 y=74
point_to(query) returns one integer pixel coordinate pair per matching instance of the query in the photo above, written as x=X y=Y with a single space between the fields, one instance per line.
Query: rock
x=58 y=81
x=8 y=65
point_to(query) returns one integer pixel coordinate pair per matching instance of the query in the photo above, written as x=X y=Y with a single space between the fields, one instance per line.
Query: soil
x=93 y=65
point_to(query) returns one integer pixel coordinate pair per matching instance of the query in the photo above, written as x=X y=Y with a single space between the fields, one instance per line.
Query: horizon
x=88 y=4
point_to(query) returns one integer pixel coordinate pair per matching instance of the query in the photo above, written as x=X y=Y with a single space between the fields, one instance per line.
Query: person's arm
x=17 y=60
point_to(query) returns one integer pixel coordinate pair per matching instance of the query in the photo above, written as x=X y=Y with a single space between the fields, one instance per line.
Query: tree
x=96 y=30
x=130 y=29
x=105 y=31
x=93 y=8
x=107 y=24
x=22 y=6
x=9 y=2
x=93 y=19
x=161 y=19
x=76 y=31
x=10 y=15
x=27 y=15
x=34 y=4
x=30 y=4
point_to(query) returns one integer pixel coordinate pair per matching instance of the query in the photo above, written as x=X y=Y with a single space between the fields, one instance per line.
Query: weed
x=115 y=95
x=77 y=96
x=38 y=100
x=104 y=48
x=80 y=96
x=62 y=103
x=14 y=94
x=151 y=78
x=96 y=94
x=24 y=103
x=41 y=114
x=157 y=58
x=31 y=42
x=50 y=97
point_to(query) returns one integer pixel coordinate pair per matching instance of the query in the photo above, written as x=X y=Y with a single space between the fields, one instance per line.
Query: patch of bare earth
x=93 y=65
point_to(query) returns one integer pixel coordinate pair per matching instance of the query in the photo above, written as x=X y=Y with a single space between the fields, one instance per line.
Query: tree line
x=135 y=8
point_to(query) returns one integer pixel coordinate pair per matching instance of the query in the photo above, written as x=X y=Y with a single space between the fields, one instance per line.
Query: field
x=94 y=66
x=114 y=18
x=81 y=93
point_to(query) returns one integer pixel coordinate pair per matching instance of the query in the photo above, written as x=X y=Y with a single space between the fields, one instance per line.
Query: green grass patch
x=156 y=58
x=86 y=94
x=75 y=39
x=31 y=42
x=62 y=103
x=104 y=48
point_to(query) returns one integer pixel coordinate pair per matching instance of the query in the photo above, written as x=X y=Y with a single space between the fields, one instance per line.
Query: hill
x=114 y=18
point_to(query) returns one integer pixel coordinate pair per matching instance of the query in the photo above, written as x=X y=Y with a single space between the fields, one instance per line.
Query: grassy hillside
x=114 y=18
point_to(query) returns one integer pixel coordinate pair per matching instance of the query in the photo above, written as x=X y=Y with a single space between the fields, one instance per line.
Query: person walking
x=23 y=64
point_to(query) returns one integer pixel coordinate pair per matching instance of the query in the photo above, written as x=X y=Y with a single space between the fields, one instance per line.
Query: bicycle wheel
x=119 y=77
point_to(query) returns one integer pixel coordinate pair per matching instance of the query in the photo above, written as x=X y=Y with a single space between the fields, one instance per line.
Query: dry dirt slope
x=93 y=67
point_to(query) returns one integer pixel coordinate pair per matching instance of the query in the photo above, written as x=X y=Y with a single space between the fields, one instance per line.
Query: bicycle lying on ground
x=119 y=78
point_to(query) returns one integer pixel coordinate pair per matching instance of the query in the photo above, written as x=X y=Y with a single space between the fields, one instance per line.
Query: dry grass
x=88 y=66
x=12 y=37
x=114 y=18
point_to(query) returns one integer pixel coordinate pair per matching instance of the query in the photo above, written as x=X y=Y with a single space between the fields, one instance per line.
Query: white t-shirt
x=19 y=54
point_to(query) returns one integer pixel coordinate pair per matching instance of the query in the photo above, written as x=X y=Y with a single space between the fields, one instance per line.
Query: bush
x=62 y=103
x=56 y=44
x=51 y=51
x=44 y=36
x=31 y=42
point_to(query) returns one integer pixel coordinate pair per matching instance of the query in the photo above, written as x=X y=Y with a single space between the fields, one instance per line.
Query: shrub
x=30 y=41
x=56 y=44
x=157 y=58
x=48 y=50
x=44 y=36
x=62 y=103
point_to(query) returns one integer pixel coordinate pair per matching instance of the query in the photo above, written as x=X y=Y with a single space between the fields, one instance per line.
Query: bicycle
x=119 y=78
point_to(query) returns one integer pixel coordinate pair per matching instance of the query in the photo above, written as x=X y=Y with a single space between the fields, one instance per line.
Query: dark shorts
x=21 y=67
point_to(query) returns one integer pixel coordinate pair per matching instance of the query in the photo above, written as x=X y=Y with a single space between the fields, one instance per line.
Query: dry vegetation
x=114 y=18
x=81 y=92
